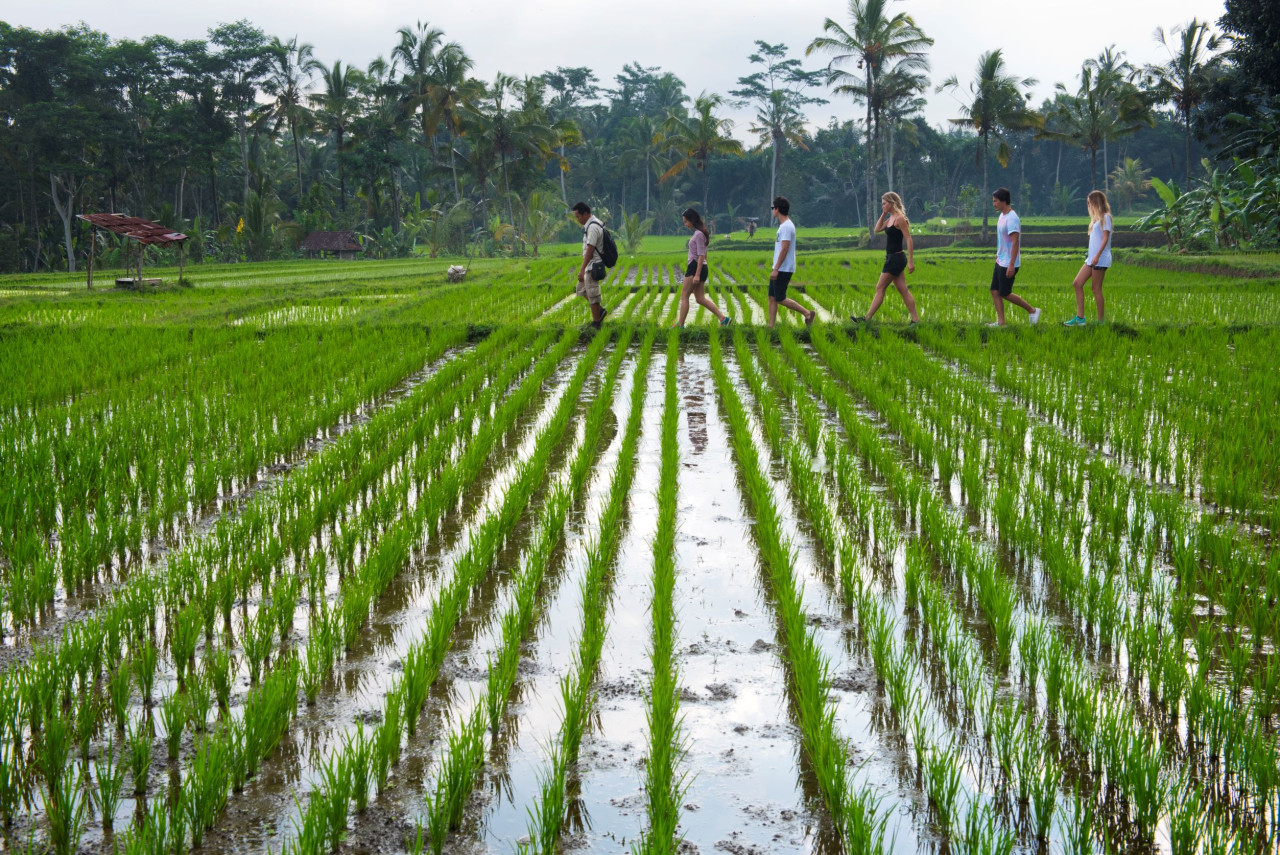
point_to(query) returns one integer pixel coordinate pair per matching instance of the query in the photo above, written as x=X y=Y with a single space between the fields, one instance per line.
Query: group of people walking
x=899 y=261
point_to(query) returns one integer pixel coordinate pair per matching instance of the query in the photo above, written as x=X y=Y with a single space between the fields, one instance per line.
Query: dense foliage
x=248 y=142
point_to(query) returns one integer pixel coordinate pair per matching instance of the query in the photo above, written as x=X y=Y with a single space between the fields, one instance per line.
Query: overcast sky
x=705 y=44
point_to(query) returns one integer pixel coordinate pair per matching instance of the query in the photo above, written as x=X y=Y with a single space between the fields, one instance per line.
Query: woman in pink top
x=695 y=275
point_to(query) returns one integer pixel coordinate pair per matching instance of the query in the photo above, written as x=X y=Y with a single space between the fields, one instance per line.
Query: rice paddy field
x=337 y=557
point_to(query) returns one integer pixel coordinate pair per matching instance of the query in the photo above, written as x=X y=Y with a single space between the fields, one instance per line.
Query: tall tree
x=1185 y=78
x=698 y=137
x=873 y=40
x=292 y=67
x=995 y=108
x=339 y=105
x=571 y=86
x=1096 y=112
x=644 y=146
x=245 y=61
x=450 y=88
x=416 y=54
x=778 y=93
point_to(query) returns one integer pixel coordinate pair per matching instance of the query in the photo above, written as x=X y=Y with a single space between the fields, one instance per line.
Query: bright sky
x=706 y=44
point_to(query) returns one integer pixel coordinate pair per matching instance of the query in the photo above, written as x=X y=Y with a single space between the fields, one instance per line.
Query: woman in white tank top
x=1098 y=261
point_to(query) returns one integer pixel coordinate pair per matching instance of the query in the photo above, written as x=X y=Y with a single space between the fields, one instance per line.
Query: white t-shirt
x=786 y=231
x=1095 y=241
x=593 y=237
x=1008 y=225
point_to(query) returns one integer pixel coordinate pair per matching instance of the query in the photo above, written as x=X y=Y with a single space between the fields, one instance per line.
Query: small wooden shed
x=145 y=232
x=342 y=244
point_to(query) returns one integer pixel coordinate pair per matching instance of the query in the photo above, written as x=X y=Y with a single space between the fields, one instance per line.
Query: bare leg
x=685 y=289
x=1078 y=284
x=1020 y=303
x=700 y=293
x=998 y=301
x=901 y=284
x=597 y=312
x=794 y=306
x=773 y=312
x=1098 y=276
x=881 y=287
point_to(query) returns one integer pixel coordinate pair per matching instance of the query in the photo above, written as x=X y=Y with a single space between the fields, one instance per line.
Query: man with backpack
x=594 y=261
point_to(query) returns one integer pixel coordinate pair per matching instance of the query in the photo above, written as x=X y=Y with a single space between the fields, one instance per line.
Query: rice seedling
x=144 y=660
x=199 y=702
x=184 y=634
x=942 y=784
x=173 y=718
x=65 y=805
x=220 y=668
x=1045 y=779
x=359 y=752
x=139 y=755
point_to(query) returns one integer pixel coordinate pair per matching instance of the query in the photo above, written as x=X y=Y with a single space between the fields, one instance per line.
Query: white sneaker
x=1035 y=317
x=995 y=324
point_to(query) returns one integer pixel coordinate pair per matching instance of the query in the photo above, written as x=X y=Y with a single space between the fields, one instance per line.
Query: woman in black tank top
x=897 y=230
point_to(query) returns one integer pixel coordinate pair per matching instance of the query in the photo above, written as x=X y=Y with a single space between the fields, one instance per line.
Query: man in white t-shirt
x=1008 y=259
x=592 y=271
x=784 y=264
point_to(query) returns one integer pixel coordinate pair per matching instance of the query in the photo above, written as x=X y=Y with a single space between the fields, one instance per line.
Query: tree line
x=247 y=141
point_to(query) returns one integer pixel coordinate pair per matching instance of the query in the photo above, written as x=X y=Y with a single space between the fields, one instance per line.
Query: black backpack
x=608 y=247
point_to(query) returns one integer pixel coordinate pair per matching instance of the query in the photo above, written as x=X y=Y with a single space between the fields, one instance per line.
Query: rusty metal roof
x=143 y=231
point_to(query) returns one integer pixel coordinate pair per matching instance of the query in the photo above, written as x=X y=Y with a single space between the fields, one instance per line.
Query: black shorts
x=894 y=263
x=778 y=287
x=1096 y=267
x=692 y=270
x=1001 y=281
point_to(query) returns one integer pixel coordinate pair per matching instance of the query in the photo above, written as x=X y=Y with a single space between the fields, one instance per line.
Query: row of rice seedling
x=1250 y=741
x=939 y=765
x=74 y=655
x=854 y=811
x=89 y=482
x=548 y=814
x=324 y=820
x=665 y=779
x=1182 y=406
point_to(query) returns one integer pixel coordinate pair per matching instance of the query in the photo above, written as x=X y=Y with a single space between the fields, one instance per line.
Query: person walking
x=893 y=222
x=1098 y=259
x=592 y=271
x=695 y=274
x=784 y=264
x=1008 y=259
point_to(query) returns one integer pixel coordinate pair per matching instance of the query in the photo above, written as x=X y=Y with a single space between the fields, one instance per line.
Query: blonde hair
x=1098 y=207
x=895 y=202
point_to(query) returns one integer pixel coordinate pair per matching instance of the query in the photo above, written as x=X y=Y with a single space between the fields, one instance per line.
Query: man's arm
x=1015 y=243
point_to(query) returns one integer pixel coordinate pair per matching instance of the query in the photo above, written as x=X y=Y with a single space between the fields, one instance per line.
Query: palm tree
x=995 y=108
x=644 y=147
x=1130 y=182
x=292 y=66
x=339 y=106
x=449 y=89
x=416 y=54
x=873 y=41
x=1185 y=79
x=779 y=123
x=698 y=137
x=1092 y=116
x=1116 y=77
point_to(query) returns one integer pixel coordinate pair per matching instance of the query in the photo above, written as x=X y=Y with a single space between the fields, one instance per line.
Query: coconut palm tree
x=1130 y=182
x=1185 y=79
x=779 y=124
x=645 y=147
x=449 y=89
x=415 y=53
x=1093 y=115
x=1116 y=77
x=339 y=105
x=697 y=137
x=292 y=66
x=873 y=41
x=995 y=107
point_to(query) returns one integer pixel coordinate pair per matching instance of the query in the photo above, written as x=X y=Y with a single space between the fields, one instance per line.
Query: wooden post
x=182 y=256
x=93 y=234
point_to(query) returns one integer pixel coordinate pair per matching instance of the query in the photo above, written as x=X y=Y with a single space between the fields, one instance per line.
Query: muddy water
x=81 y=604
x=266 y=809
